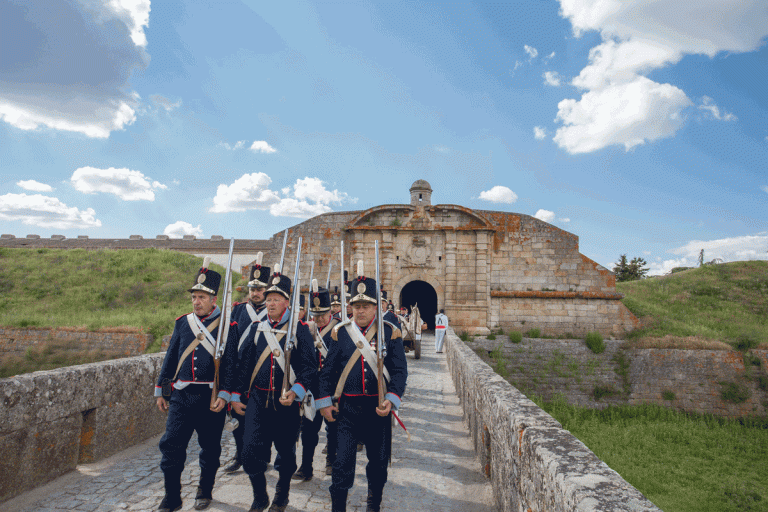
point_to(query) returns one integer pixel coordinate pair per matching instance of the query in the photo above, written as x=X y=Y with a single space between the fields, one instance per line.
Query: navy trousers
x=358 y=422
x=268 y=422
x=189 y=411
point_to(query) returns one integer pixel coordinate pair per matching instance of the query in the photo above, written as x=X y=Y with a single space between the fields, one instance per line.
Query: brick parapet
x=54 y=420
x=533 y=463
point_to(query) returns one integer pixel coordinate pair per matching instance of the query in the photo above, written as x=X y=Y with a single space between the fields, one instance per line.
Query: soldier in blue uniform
x=270 y=416
x=321 y=326
x=336 y=303
x=388 y=310
x=188 y=375
x=254 y=310
x=359 y=415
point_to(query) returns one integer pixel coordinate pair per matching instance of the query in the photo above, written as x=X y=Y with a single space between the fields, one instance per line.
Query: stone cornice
x=556 y=295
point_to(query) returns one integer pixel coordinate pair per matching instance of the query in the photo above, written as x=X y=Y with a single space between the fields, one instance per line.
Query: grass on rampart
x=714 y=303
x=681 y=462
x=143 y=289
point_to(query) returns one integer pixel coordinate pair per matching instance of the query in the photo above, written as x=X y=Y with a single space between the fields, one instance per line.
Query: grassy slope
x=143 y=289
x=727 y=302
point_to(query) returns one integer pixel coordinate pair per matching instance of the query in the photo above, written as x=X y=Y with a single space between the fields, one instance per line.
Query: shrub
x=533 y=333
x=668 y=395
x=762 y=382
x=464 y=336
x=751 y=360
x=734 y=392
x=515 y=336
x=595 y=342
x=746 y=341
x=491 y=336
x=600 y=391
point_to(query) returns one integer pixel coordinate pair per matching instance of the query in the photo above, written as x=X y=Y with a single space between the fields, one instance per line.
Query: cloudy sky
x=639 y=125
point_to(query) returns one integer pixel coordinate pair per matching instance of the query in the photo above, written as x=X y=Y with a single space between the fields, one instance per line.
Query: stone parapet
x=532 y=462
x=53 y=420
x=16 y=340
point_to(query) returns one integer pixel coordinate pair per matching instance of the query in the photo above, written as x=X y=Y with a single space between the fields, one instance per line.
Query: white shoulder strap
x=364 y=346
x=274 y=345
x=198 y=329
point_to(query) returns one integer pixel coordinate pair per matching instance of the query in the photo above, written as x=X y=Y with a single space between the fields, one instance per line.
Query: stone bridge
x=85 y=438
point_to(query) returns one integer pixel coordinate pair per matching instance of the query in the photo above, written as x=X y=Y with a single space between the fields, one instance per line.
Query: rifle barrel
x=343 y=298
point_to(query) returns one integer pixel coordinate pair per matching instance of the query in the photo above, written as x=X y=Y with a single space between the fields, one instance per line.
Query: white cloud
x=78 y=84
x=628 y=114
x=126 y=184
x=740 y=248
x=552 y=78
x=290 y=207
x=539 y=132
x=499 y=194
x=181 y=228
x=564 y=219
x=313 y=188
x=764 y=189
x=442 y=149
x=249 y=192
x=638 y=37
x=34 y=186
x=531 y=51
x=714 y=110
x=46 y=212
x=545 y=215
x=261 y=146
x=549 y=56
x=164 y=103
x=111 y=116
x=237 y=145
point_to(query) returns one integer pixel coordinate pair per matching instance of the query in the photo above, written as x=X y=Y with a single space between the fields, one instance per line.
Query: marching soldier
x=187 y=377
x=388 y=310
x=253 y=311
x=321 y=326
x=441 y=325
x=271 y=417
x=336 y=303
x=349 y=375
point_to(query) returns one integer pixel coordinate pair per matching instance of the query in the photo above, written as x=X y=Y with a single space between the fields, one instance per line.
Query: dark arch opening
x=421 y=293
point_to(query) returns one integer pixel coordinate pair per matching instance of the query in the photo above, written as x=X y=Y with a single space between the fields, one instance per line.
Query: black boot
x=235 y=465
x=305 y=470
x=260 y=497
x=280 y=501
x=172 y=499
x=203 y=497
x=373 y=502
x=339 y=501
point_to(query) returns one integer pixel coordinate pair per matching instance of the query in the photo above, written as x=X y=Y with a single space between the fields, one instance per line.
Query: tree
x=630 y=270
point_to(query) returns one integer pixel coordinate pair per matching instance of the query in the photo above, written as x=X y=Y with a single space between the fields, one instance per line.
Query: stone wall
x=17 y=340
x=697 y=378
x=53 y=420
x=532 y=462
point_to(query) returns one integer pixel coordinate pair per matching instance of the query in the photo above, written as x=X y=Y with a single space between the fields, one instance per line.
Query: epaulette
x=237 y=304
x=232 y=323
x=395 y=331
x=182 y=316
x=335 y=331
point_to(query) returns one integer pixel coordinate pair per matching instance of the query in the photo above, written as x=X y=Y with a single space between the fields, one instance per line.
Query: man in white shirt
x=441 y=325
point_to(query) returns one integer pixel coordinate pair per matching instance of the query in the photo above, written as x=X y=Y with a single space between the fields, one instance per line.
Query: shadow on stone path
x=436 y=471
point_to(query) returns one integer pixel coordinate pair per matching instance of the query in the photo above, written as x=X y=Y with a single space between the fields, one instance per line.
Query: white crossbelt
x=255 y=318
x=364 y=347
x=277 y=351
x=207 y=341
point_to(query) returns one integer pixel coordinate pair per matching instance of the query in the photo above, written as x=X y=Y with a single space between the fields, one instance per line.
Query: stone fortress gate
x=487 y=269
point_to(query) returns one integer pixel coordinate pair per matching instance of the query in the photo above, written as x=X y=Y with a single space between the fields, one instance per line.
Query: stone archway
x=423 y=294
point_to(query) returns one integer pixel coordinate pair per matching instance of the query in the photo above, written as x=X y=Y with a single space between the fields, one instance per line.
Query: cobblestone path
x=435 y=471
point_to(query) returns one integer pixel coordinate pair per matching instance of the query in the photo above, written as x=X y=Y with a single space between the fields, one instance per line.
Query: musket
x=309 y=288
x=226 y=310
x=381 y=346
x=328 y=280
x=343 y=291
x=282 y=255
x=293 y=323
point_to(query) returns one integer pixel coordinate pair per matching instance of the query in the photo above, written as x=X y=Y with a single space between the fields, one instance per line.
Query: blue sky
x=640 y=125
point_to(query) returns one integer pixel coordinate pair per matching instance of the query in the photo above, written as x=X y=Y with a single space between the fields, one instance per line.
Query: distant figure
x=441 y=324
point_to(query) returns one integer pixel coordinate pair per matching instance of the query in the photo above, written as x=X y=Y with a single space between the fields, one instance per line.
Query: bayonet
x=226 y=311
x=328 y=280
x=282 y=255
x=293 y=323
x=343 y=297
x=381 y=346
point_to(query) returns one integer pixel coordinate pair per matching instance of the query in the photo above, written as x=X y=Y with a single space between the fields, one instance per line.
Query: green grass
x=97 y=289
x=681 y=462
x=595 y=342
x=727 y=302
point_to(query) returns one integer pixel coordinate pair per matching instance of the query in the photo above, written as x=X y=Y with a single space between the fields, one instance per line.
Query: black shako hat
x=347 y=292
x=302 y=302
x=207 y=280
x=383 y=294
x=390 y=307
x=363 y=289
x=259 y=274
x=319 y=299
x=336 y=297
x=278 y=283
